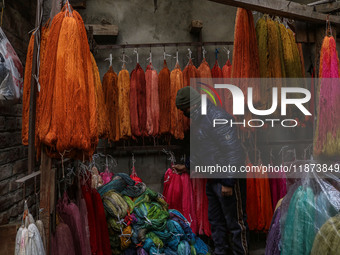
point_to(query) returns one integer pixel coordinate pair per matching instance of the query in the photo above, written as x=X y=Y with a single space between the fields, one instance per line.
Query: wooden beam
x=328 y=8
x=287 y=9
x=148 y=45
x=103 y=29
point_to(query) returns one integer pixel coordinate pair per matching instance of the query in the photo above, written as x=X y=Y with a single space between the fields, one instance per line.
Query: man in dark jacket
x=217 y=145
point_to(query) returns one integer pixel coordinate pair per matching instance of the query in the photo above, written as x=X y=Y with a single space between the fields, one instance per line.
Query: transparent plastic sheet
x=11 y=71
x=310 y=220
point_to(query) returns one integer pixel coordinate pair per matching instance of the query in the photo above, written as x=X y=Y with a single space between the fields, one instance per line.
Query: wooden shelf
x=103 y=33
x=78 y=4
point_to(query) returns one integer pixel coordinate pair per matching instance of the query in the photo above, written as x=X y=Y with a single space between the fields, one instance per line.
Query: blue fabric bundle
x=184 y=248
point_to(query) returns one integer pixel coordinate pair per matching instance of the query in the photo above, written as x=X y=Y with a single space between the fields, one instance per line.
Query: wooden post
x=47 y=190
x=31 y=132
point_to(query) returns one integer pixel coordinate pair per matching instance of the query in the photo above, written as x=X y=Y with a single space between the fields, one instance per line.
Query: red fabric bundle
x=216 y=71
x=189 y=72
x=135 y=177
x=164 y=100
x=91 y=220
x=173 y=192
x=141 y=99
x=188 y=202
x=252 y=201
x=137 y=109
x=178 y=193
x=101 y=224
x=201 y=203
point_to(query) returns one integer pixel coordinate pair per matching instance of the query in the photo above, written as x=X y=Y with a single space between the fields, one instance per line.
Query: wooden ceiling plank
x=287 y=9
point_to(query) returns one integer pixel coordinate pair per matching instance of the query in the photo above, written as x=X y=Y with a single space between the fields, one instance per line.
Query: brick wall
x=18 y=20
x=13 y=165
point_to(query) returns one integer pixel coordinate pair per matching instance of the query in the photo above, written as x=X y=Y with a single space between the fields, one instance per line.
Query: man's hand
x=179 y=168
x=227 y=191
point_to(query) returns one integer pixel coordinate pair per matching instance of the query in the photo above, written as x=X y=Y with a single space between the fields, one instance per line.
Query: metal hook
x=203 y=51
x=216 y=53
x=133 y=160
x=109 y=59
x=165 y=55
x=190 y=53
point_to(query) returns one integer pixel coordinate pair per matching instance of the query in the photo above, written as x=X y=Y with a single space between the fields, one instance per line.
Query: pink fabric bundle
x=106 y=176
x=70 y=215
x=152 y=101
x=178 y=193
x=327 y=140
x=201 y=202
x=278 y=187
x=62 y=241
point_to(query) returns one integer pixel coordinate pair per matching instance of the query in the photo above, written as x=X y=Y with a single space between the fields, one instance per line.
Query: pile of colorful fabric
x=139 y=221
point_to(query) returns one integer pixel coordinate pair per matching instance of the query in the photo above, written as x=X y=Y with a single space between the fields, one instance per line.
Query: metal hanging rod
x=152 y=45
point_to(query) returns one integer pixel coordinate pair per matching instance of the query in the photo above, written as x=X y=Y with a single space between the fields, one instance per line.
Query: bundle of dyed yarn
x=139 y=221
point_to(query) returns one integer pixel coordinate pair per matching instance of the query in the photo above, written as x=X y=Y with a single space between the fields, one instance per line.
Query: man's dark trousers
x=227 y=215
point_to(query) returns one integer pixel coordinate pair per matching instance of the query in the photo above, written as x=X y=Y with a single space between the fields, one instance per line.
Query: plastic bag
x=11 y=71
x=308 y=213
